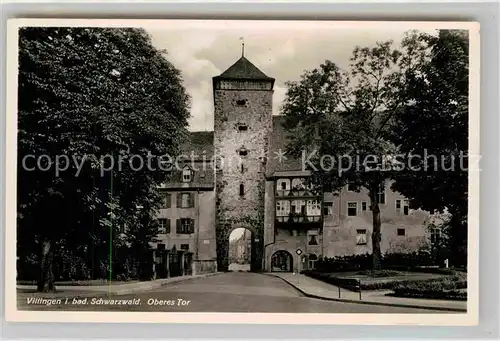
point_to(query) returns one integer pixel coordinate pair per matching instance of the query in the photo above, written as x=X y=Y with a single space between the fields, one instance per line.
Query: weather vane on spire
x=242 y=46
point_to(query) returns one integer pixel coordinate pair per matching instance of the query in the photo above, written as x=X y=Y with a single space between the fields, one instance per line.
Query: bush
x=458 y=281
x=444 y=288
x=379 y=273
x=390 y=261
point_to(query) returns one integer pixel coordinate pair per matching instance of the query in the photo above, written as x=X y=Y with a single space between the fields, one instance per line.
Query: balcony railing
x=298 y=218
x=296 y=193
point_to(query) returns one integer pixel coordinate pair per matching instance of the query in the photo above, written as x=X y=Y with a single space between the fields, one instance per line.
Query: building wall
x=340 y=230
x=232 y=208
x=202 y=242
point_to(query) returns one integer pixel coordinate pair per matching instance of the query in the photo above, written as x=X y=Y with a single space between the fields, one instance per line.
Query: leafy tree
x=343 y=120
x=434 y=123
x=93 y=95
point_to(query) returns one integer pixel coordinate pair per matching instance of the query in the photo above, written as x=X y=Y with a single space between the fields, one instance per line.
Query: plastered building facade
x=250 y=186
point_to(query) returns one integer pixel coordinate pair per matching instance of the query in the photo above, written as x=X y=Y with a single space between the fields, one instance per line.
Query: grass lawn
x=416 y=283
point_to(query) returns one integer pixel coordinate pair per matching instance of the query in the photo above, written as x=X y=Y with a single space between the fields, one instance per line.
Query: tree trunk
x=376 y=234
x=46 y=280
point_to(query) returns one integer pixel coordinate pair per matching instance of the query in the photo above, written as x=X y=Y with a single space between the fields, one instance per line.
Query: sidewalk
x=115 y=289
x=314 y=288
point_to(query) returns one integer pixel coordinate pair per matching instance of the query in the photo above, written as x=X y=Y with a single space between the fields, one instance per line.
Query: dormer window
x=187 y=174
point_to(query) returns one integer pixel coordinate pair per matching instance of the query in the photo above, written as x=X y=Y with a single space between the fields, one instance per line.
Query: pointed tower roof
x=244 y=69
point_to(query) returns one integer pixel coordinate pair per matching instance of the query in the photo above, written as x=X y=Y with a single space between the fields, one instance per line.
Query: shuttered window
x=185 y=226
x=185 y=200
x=164 y=226
x=167 y=200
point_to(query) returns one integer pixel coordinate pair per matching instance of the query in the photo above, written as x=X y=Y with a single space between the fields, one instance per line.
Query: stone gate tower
x=242 y=122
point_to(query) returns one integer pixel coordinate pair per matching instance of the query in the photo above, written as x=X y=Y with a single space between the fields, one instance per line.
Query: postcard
x=242 y=171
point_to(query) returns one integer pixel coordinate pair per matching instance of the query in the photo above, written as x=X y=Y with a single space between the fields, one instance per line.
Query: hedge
x=391 y=261
x=445 y=283
x=445 y=288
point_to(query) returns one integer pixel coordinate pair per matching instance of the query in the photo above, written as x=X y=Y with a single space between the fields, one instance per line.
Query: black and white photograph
x=272 y=167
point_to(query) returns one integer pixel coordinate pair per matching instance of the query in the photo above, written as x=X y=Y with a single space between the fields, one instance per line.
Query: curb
x=150 y=286
x=161 y=284
x=399 y=305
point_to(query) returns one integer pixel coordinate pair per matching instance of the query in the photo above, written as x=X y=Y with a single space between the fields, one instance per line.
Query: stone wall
x=233 y=170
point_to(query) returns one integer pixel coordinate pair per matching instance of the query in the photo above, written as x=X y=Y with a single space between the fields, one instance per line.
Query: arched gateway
x=282 y=261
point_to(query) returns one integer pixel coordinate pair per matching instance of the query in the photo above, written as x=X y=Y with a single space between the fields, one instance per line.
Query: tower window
x=241 y=102
x=242 y=189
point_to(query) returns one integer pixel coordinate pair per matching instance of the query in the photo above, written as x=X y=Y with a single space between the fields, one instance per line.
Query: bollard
x=359 y=286
x=339 y=292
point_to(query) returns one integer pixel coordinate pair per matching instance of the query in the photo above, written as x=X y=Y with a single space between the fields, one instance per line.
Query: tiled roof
x=244 y=69
x=200 y=142
x=277 y=145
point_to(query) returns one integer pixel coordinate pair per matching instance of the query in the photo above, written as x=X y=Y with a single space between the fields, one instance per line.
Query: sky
x=282 y=50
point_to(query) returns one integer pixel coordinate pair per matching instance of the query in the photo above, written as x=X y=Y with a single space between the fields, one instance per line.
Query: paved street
x=228 y=292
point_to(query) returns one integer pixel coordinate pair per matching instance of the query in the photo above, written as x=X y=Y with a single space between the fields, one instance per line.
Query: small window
x=283 y=185
x=328 y=208
x=350 y=186
x=186 y=200
x=187 y=174
x=401 y=232
x=242 y=168
x=282 y=208
x=242 y=189
x=398 y=206
x=185 y=226
x=243 y=152
x=313 y=240
x=352 y=209
x=360 y=237
x=406 y=207
x=242 y=127
x=313 y=208
x=164 y=226
x=241 y=102
x=185 y=247
x=363 y=206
